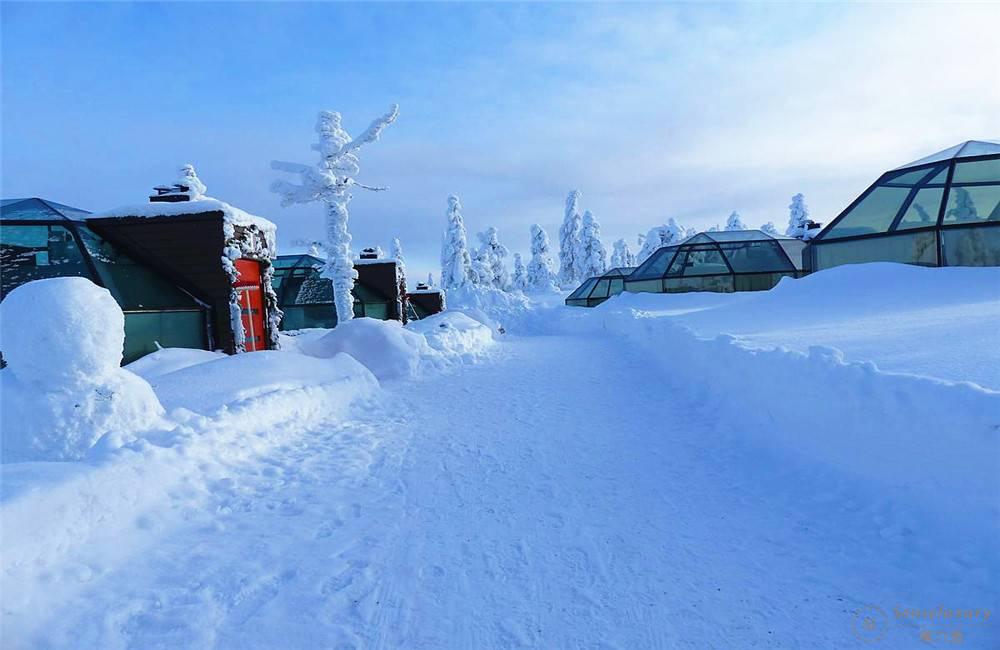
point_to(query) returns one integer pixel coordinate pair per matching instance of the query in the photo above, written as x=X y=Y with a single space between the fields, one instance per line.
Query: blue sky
x=651 y=111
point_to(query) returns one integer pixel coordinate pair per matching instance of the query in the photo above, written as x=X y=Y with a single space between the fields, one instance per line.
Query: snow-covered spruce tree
x=482 y=270
x=541 y=277
x=519 y=280
x=658 y=237
x=569 y=240
x=456 y=262
x=714 y=228
x=592 y=256
x=734 y=222
x=769 y=228
x=397 y=254
x=494 y=254
x=621 y=255
x=330 y=182
x=798 y=218
x=430 y=279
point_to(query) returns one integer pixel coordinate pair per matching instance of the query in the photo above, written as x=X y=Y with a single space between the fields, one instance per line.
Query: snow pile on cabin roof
x=188 y=184
x=231 y=214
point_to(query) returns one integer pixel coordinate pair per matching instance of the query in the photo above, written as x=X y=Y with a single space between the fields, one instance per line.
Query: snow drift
x=64 y=389
x=383 y=346
x=933 y=438
x=454 y=335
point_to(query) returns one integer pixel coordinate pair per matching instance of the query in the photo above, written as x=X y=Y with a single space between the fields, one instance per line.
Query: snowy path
x=556 y=519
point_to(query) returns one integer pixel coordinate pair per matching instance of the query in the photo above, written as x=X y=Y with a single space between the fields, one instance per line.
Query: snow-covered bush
x=330 y=181
x=64 y=389
x=734 y=222
x=569 y=241
x=622 y=255
x=541 y=277
x=591 y=256
x=798 y=218
x=385 y=347
x=769 y=229
x=456 y=262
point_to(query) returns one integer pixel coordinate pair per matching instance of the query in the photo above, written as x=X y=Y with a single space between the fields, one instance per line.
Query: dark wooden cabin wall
x=382 y=277
x=188 y=250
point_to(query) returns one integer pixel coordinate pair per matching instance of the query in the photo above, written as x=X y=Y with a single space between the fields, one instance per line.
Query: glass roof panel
x=914 y=177
x=756 y=257
x=873 y=214
x=29 y=210
x=940 y=177
x=704 y=262
x=584 y=289
x=655 y=265
x=600 y=289
x=972 y=204
x=977 y=171
x=738 y=235
x=793 y=249
x=702 y=237
x=923 y=211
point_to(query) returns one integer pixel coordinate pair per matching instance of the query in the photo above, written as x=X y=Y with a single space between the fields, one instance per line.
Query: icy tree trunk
x=339 y=262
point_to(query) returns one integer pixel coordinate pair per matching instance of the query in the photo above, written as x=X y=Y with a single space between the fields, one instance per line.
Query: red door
x=251 y=295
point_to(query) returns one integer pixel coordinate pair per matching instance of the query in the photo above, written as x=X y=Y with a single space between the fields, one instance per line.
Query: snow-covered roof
x=965 y=149
x=380 y=260
x=201 y=205
x=424 y=291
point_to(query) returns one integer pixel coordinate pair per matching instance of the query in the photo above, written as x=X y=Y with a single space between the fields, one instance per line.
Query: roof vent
x=171 y=193
x=422 y=286
x=369 y=254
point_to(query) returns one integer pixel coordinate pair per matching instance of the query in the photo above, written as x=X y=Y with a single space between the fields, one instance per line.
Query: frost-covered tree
x=621 y=255
x=798 y=218
x=494 y=254
x=592 y=256
x=658 y=237
x=541 y=277
x=769 y=228
x=569 y=240
x=714 y=228
x=397 y=251
x=430 y=279
x=456 y=262
x=519 y=280
x=734 y=222
x=482 y=270
x=330 y=181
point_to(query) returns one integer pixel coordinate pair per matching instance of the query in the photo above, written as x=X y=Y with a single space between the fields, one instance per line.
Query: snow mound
x=453 y=334
x=63 y=390
x=243 y=380
x=170 y=360
x=61 y=331
x=489 y=305
x=383 y=346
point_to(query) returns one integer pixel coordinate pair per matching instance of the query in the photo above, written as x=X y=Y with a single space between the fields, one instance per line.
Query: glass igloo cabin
x=596 y=290
x=44 y=239
x=942 y=210
x=722 y=261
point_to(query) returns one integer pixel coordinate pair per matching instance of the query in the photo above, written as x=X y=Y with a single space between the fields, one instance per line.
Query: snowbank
x=242 y=380
x=454 y=335
x=383 y=346
x=63 y=389
x=489 y=305
x=169 y=360
x=937 y=322
x=936 y=439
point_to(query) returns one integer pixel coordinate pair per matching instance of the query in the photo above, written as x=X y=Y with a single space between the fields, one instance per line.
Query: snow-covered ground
x=599 y=478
